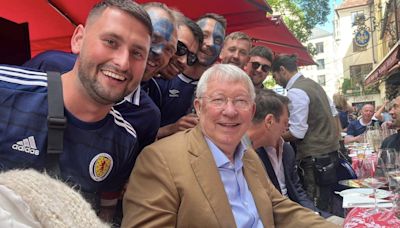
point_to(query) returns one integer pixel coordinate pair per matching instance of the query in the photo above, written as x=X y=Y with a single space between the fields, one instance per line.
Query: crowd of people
x=166 y=122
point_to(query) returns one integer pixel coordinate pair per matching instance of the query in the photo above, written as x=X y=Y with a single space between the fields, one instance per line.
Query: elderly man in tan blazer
x=205 y=176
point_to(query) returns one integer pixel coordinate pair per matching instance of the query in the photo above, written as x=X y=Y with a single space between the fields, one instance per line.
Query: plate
x=366 y=192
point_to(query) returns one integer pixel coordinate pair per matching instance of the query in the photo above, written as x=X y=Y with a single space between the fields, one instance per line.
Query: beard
x=94 y=88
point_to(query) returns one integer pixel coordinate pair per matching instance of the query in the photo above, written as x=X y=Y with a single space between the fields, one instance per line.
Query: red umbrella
x=51 y=23
x=48 y=29
x=274 y=34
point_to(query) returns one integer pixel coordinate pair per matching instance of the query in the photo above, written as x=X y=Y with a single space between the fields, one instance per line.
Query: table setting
x=373 y=199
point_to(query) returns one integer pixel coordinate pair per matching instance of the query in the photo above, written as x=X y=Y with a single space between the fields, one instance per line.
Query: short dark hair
x=195 y=28
x=269 y=102
x=217 y=17
x=128 y=6
x=262 y=52
x=287 y=61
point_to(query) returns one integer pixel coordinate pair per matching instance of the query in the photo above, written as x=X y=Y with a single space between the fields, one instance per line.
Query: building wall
x=344 y=40
x=344 y=34
x=331 y=71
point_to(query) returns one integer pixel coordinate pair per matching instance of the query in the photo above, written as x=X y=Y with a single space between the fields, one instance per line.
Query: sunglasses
x=264 y=67
x=182 y=50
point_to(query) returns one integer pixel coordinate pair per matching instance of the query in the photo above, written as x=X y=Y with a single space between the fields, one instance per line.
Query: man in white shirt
x=312 y=129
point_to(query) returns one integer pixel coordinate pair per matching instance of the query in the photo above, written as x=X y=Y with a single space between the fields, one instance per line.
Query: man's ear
x=77 y=39
x=268 y=120
x=197 y=104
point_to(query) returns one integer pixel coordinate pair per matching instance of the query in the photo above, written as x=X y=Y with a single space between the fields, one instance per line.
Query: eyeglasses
x=220 y=102
x=182 y=50
x=264 y=67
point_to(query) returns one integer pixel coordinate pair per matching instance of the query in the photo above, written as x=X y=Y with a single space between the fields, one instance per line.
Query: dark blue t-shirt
x=98 y=157
x=173 y=97
x=139 y=111
x=52 y=60
x=355 y=128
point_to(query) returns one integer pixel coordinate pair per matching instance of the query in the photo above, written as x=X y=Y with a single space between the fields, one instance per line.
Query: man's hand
x=185 y=122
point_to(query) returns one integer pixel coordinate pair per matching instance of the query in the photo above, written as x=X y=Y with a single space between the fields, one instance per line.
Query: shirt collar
x=292 y=80
x=186 y=79
x=365 y=124
x=221 y=159
x=133 y=97
x=272 y=149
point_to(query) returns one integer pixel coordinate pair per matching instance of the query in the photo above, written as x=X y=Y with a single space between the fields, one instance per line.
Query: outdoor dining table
x=359 y=217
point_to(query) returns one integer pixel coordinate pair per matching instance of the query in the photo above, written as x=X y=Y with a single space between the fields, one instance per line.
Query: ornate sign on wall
x=362 y=37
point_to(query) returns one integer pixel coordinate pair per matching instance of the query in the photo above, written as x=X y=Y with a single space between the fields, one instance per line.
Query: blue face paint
x=157 y=49
x=162 y=26
x=218 y=39
x=218 y=36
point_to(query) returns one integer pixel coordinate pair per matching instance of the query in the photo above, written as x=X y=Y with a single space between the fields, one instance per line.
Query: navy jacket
x=295 y=190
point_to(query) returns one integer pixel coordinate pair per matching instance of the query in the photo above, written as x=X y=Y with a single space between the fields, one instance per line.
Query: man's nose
x=229 y=109
x=182 y=59
x=236 y=54
x=121 y=59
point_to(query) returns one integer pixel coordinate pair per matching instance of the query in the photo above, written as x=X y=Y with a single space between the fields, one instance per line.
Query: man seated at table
x=393 y=141
x=205 y=176
x=269 y=123
x=357 y=127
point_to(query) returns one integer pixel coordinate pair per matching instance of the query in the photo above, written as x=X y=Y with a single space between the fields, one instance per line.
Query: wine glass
x=374 y=175
x=391 y=158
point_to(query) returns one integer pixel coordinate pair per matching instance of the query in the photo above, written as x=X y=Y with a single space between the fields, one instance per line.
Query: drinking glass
x=374 y=175
x=391 y=158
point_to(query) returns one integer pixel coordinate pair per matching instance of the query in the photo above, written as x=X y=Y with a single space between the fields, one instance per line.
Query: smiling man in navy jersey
x=99 y=143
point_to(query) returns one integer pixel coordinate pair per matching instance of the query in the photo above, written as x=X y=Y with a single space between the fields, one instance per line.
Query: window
x=321 y=80
x=358 y=72
x=319 y=47
x=354 y=15
x=320 y=64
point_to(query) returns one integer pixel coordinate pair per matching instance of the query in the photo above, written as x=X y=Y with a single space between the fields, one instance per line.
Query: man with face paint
x=213 y=27
x=164 y=39
x=236 y=49
x=174 y=96
x=259 y=65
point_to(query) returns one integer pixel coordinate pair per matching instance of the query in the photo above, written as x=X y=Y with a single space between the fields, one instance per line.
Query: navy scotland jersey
x=137 y=108
x=98 y=156
x=174 y=97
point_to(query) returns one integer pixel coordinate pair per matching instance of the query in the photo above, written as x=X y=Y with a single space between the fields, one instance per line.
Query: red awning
x=51 y=22
x=48 y=29
x=274 y=34
x=384 y=67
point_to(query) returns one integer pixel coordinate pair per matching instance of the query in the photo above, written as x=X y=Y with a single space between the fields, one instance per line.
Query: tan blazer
x=175 y=183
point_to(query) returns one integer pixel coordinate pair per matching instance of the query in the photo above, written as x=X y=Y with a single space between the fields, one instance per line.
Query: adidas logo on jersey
x=27 y=145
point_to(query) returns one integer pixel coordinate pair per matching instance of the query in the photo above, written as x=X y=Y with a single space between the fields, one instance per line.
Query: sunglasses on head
x=182 y=50
x=264 y=67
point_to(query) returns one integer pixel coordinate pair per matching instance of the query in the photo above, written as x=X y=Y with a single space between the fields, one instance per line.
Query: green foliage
x=346 y=85
x=301 y=16
x=311 y=49
x=269 y=82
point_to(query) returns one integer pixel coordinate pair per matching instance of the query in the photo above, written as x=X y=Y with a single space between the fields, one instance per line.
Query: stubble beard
x=93 y=87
